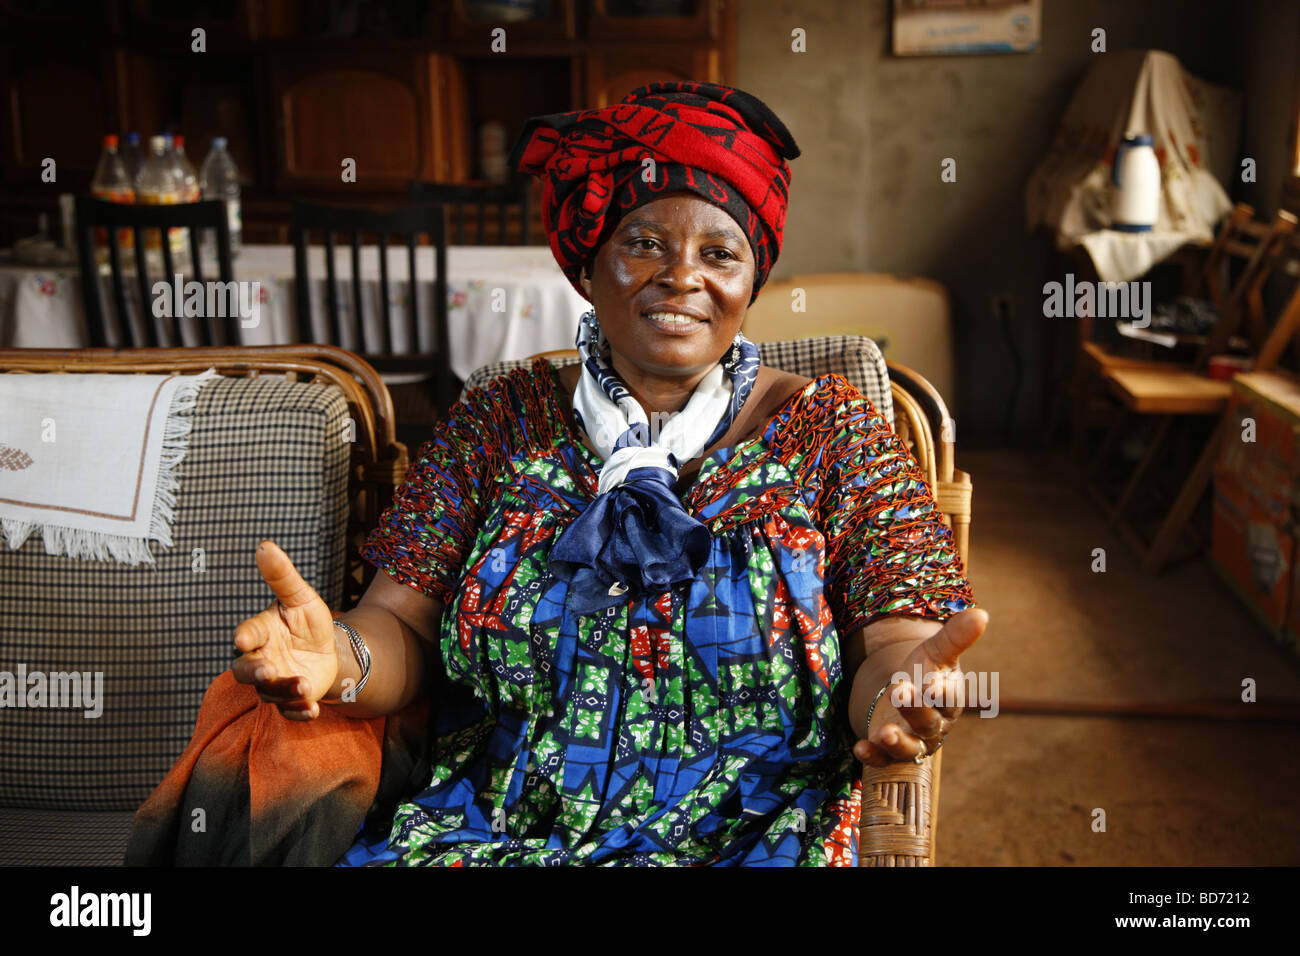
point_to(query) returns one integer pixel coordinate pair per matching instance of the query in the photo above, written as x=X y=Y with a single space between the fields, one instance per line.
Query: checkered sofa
x=264 y=462
x=856 y=357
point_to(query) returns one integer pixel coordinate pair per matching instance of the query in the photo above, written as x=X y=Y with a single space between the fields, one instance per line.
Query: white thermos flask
x=1136 y=175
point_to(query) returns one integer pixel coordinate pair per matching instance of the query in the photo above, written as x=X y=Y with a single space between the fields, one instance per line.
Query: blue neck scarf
x=635 y=538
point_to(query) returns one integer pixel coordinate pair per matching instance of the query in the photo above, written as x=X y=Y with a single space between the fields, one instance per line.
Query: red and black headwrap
x=720 y=143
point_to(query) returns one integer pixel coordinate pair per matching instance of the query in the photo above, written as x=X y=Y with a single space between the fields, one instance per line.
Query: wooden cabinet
x=405 y=88
x=199 y=96
x=635 y=42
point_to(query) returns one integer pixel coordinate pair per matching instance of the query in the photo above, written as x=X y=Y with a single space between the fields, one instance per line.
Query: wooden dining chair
x=1238 y=238
x=123 y=327
x=1274 y=247
x=1170 y=394
x=510 y=201
x=424 y=354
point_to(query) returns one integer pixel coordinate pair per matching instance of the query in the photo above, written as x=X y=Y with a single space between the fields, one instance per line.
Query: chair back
x=1270 y=241
x=909 y=318
x=423 y=346
x=856 y=357
x=468 y=200
x=137 y=328
x=922 y=421
x=290 y=444
x=1286 y=330
x=1234 y=239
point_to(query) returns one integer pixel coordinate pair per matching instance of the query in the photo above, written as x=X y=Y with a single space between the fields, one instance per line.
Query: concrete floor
x=1022 y=790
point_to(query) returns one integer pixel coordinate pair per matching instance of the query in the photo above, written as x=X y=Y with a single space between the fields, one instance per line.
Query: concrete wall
x=866 y=195
x=1267 y=40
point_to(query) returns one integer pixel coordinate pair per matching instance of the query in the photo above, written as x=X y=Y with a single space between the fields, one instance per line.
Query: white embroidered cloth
x=90 y=460
x=1193 y=124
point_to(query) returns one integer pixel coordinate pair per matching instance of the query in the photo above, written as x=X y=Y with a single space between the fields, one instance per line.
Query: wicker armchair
x=899 y=803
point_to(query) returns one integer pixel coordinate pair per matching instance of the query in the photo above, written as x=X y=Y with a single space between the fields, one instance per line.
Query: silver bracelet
x=880 y=693
x=361 y=651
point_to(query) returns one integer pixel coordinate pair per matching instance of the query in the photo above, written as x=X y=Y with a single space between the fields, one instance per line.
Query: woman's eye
x=723 y=255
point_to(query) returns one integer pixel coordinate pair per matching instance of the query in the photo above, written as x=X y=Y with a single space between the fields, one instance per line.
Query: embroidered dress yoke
x=703 y=725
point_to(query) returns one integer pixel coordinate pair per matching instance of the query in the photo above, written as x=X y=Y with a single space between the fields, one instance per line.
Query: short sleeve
x=423 y=538
x=888 y=550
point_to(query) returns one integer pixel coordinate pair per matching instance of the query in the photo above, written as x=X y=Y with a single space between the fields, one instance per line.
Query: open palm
x=288 y=650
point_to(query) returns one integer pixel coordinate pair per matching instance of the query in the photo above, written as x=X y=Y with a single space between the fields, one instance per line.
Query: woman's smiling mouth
x=674 y=323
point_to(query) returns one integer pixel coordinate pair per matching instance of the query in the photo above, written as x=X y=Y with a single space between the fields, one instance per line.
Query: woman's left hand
x=903 y=725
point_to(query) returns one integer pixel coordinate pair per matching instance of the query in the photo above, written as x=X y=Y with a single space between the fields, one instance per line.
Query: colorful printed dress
x=703 y=725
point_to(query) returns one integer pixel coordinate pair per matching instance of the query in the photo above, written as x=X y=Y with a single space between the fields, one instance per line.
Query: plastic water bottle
x=219 y=179
x=184 y=171
x=133 y=155
x=159 y=185
x=111 y=182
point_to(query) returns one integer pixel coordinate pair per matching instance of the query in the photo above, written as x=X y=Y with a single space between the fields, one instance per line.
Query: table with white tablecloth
x=503 y=302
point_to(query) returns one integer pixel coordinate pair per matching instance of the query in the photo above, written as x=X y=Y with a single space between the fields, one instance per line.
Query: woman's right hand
x=288 y=651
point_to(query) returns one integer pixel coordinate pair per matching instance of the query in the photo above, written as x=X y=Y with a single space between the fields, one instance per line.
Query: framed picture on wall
x=929 y=27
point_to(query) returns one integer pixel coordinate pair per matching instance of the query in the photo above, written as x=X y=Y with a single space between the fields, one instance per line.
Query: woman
x=651 y=597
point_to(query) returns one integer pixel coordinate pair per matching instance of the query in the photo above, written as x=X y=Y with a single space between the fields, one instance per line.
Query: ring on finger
x=925 y=742
x=928 y=752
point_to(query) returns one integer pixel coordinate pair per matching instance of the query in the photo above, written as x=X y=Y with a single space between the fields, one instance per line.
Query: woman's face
x=679 y=253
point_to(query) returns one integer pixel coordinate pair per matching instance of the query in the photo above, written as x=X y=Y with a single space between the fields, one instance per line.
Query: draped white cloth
x=90 y=461
x=1194 y=126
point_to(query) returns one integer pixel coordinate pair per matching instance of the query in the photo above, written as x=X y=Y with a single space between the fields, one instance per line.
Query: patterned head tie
x=720 y=143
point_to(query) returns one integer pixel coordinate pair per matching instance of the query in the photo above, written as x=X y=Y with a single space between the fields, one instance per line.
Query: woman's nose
x=682 y=270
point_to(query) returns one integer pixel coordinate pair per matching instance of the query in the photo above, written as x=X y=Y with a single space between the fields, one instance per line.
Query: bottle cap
x=133 y=138
x=179 y=140
x=218 y=142
x=110 y=141
x=157 y=144
x=168 y=139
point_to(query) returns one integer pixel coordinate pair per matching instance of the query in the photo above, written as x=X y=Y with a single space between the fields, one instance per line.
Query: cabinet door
x=377 y=110
x=60 y=105
x=613 y=72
